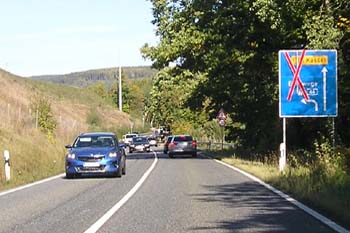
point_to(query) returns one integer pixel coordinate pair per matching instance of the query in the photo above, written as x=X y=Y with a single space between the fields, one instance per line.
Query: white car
x=152 y=141
x=127 y=138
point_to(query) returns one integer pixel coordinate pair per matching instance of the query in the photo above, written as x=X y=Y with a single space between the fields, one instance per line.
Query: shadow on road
x=256 y=209
x=160 y=155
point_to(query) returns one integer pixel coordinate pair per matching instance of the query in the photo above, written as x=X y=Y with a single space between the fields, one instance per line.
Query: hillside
x=35 y=155
x=87 y=78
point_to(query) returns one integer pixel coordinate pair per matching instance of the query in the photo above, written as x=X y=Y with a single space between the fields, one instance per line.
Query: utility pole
x=120 y=89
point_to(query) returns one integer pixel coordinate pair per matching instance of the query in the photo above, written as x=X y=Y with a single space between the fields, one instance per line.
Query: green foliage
x=321 y=32
x=99 y=89
x=43 y=115
x=225 y=53
x=134 y=93
x=314 y=180
x=94 y=119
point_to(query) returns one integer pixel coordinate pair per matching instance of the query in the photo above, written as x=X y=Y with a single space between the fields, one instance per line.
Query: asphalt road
x=180 y=195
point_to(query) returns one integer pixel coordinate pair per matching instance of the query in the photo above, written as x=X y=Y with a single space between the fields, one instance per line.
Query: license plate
x=139 y=147
x=91 y=164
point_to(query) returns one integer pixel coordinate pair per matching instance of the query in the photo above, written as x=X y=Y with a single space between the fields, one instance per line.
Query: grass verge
x=32 y=158
x=328 y=194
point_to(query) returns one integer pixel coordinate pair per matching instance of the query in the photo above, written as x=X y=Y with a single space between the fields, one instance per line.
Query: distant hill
x=108 y=75
x=35 y=154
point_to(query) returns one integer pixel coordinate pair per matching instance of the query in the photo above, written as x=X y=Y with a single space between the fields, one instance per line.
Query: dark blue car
x=95 y=153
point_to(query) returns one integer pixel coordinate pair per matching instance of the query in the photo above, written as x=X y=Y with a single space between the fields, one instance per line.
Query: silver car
x=182 y=144
x=152 y=141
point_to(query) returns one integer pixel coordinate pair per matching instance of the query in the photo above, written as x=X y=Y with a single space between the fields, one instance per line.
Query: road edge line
x=305 y=208
x=31 y=184
x=101 y=221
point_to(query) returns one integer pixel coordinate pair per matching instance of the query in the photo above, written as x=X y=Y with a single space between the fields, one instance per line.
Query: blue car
x=95 y=153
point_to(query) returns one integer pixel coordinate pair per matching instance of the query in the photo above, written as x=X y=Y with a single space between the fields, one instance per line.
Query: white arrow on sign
x=324 y=72
x=304 y=101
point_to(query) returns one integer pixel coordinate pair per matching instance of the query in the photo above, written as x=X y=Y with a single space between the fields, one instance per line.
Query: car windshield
x=140 y=139
x=130 y=136
x=94 y=141
x=183 y=138
x=169 y=139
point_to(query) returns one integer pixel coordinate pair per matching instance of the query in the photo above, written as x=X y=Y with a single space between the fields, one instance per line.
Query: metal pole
x=284 y=142
x=120 y=89
x=222 y=139
x=333 y=132
x=284 y=131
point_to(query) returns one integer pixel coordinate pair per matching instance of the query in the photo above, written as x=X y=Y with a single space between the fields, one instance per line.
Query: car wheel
x=119 y=173
x=124 y=168
x=69 y=176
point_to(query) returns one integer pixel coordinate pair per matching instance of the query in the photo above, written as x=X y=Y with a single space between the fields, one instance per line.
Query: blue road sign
x=308 y=83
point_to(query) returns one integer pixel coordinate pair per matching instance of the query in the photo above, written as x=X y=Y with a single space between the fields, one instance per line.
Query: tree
x=230 y=49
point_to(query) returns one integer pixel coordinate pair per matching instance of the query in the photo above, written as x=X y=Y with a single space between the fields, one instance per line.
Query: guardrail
x=216 y=145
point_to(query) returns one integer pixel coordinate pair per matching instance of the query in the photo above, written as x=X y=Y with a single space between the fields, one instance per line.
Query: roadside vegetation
x=39 y=119
x=90 y=77
x=222 y=54
x=318 y=179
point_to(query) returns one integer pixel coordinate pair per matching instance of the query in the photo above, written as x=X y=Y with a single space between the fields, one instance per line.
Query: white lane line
x=30 y=185
x=97 y=225
x=308 y=210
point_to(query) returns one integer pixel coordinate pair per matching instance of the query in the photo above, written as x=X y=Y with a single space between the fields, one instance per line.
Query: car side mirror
x=121 y=144
x=68 y=146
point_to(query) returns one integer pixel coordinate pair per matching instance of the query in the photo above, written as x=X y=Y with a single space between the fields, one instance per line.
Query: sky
x=40 y=37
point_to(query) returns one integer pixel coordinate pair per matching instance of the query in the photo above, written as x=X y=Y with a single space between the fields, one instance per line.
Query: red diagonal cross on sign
x=296 y=77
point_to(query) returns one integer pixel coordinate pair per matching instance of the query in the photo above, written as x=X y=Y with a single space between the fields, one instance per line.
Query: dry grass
x=258 y=169
x=33 y=157
x=314 y=190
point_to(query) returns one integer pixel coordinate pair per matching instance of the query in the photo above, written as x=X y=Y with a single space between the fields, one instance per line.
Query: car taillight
x=194 y=143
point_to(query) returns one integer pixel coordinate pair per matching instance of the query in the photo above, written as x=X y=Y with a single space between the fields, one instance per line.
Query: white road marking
x=308 y=210
x=30 y=185
x=99 y=223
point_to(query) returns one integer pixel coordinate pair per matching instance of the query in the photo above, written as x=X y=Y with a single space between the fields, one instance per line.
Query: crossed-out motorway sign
x=308 y=83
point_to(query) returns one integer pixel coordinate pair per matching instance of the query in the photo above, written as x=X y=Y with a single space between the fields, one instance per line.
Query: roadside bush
x=93 y=119
x=43 y=116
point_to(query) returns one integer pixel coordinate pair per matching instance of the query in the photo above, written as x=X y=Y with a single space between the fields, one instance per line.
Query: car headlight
x=113 y=154
x=71 y=156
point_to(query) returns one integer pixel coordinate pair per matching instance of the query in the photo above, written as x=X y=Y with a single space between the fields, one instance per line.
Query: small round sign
x=222 y=123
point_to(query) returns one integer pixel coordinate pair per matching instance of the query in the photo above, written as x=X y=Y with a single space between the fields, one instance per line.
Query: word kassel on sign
x=308 y=83
x=221 y=117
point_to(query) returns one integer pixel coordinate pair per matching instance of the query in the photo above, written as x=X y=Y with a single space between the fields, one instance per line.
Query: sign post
x=7 y=165
x=222 y=122
x=307 y=85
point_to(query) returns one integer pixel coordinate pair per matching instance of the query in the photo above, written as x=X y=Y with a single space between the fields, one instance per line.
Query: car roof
x=98 y=134
x=182 y=135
